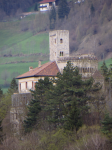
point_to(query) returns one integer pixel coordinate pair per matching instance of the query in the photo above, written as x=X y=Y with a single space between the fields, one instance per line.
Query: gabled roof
x=98 y=75
x=46 y=1
x=48 y=69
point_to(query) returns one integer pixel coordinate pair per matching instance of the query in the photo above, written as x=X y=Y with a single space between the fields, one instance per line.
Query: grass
x=27 y=44
x=15 y=69
x=14 y=41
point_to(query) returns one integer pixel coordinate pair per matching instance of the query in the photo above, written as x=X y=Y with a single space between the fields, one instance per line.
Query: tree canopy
x=63 y=9
x=64 y=99
x=11 y=6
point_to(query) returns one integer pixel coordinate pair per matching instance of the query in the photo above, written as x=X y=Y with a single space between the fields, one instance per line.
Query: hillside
x=25 y=41
x=20 y=49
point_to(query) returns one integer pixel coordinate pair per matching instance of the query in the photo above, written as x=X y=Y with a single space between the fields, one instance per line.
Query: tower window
x=61 y=53
x=61 y=40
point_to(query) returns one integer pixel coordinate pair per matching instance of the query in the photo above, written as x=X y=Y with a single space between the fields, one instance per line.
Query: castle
x=59 y=55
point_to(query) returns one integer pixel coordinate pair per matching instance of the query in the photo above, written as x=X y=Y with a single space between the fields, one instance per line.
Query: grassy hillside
x=20 y=49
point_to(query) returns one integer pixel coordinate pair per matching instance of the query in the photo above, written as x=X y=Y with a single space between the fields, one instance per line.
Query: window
x=55 y=40
x=61 y=53
x=50 y=3
x=61 y=40
x=26 y=85
x=20 y=86
x=55 y=53
x=32 y=84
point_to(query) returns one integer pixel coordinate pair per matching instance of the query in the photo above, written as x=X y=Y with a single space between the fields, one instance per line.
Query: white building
x=47 y=4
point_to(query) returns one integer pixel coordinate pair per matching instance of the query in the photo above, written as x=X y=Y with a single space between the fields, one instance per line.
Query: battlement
x=76 y=58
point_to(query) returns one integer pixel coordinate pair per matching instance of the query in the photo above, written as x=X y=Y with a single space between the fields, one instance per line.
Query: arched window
x=61 y=40
x=61 y=53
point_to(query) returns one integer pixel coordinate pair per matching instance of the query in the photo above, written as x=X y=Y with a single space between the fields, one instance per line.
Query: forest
x=66 y=112
x=10 y=7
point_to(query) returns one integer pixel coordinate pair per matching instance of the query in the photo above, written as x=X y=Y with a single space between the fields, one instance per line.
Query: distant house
x=47 y=4
x=27 y=80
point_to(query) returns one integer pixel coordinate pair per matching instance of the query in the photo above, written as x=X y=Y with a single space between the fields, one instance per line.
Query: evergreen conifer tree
x=104 y=69
x=13 y=86
x=92 y=9
x=1 y=93
x=52 y=17
x=67 y=102
x=37 y=104
x=1 y=131
x=107 y=124
x=63 y=9
x=36 y=7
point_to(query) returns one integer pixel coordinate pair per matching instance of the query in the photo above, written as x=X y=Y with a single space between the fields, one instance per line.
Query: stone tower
x=58 y=44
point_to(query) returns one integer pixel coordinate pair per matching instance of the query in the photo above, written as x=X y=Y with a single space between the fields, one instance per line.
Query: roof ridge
x=48 y=63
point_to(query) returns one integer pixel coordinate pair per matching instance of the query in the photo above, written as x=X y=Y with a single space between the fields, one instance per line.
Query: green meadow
x=13 y=70
x=17 y=46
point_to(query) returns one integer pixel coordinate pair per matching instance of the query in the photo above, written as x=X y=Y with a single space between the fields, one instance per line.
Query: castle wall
x=86 y=66
x=18 y=109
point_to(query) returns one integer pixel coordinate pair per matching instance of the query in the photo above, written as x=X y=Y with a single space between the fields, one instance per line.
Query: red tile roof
x=98 y=75
x=46 y=1
x=48 y=69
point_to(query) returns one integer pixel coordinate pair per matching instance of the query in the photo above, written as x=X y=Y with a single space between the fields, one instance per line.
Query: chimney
x=39 y=63
x=30 y=68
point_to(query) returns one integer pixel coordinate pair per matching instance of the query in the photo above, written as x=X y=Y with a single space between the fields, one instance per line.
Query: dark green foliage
x=67 y=102
x=1 y=93
x=11 y=6
x=104 y=69
x=63 y=9
x=107 y=124
x=92 y=9
x=32 y=116
x=97 y=99
x=1 y=131
x=52 y=17
x=36 y=7
x=13 y=86
x=37 y=103
x=74 y=118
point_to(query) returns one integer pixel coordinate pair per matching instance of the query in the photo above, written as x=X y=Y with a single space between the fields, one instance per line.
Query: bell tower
x=58 y=44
